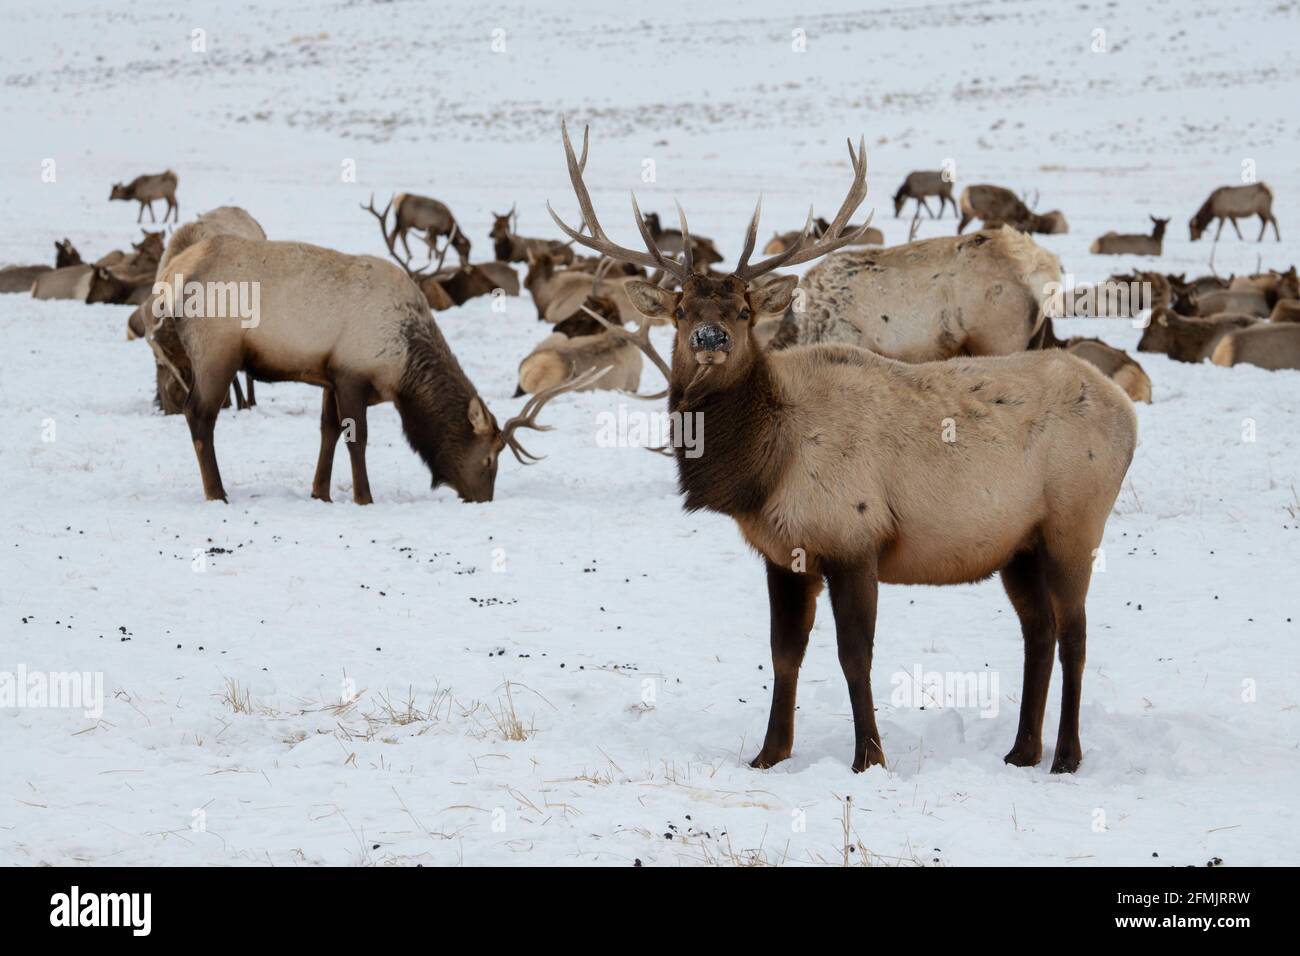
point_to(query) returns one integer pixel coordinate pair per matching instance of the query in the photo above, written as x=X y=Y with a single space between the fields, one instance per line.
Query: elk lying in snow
x=1188 y=338
x=1115 y=364
x=1274 y=285
x=918 y=186
x=1286 y=310
x=430 y=217
x=359 y=328
x=1230 y=203
x=1272 y=347
x=146 y=189
x=982 y=294
x=1245 y=301
x=558 y=358
x=66 y=254
x=833 y=462
x=1182 y=293
x=995 y=205
x=1122 y=244
x=70 y=282
x=782 y=240
x=673 y=243
x=509 y=246
x=20 y=278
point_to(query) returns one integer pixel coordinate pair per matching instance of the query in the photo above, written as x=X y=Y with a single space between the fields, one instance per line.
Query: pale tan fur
x=981 y=294
x=1117 y=365
x=994 y=204
x=558 y=358
x=783 y=240
x=1267 y=346
x=70 y=282
x=1042 y=441
x=568 y=290
x=1248 y=301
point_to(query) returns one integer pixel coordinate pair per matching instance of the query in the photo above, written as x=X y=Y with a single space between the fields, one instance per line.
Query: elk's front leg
x=330 y=428
x=351 y=397
x=853 y=600
x=793 y=601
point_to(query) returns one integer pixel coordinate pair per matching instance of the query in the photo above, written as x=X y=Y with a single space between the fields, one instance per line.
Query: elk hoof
x=1067 y=761
x=322 y=496
x=874 y=758
x=766 y=759
x=1021 y=756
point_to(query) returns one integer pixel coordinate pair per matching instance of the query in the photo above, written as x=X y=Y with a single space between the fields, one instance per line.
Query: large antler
x=598 y=240
x=390 y=239
x=527 y=417
x=829 y=241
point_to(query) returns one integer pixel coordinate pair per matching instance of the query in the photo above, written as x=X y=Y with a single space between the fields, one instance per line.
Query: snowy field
x=331 y=684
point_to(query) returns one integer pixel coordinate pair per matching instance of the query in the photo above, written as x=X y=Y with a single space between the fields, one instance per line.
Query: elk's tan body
x=1119 y=244
x=981 y=294
x=919 y=185
x=70 y=282
x=1230 y=203
x=558 y=358
x=146 y=190
x=994 y=204
x=1116 y=365
x=1267 y=346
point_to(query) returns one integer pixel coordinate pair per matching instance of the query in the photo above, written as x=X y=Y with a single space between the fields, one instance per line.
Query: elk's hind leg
x=853 y=600
x=1069 y=571
x=1025 y=580
x=793 y=601
x=352 y=403
x=202 y=406
x=329 y=440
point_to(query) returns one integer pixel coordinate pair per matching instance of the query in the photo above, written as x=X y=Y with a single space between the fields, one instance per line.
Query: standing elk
x=361 y=330
x=995 y=205
x=1122 y=244
x=1230 y=203
x=146 y=189
x=509 y=246
x=982 y=294
x=918 y=186
x=430 y=217
x=833 y=462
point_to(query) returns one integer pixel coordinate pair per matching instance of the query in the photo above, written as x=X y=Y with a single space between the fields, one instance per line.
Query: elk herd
x=901 y=414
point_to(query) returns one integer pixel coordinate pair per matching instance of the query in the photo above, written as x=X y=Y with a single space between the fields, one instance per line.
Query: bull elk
x=995 y=205
x=833 y=462
x=920 y=185
x=1230 y=203
x=146 y=189
x=1122 y=244
x=359 y=328
x=982 y=294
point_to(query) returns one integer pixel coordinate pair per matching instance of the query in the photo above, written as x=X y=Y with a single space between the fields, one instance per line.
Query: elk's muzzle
x=710 y=343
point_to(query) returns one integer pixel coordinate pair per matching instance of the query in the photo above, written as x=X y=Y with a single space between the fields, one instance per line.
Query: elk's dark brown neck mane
x=1204 y=214
x=433 y=398
x=740 y=430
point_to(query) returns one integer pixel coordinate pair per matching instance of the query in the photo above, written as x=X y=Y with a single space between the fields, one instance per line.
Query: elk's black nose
x=710 y=338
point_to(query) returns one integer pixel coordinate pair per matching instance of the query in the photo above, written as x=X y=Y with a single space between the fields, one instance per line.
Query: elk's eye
x=744 y=315
x=680 y=313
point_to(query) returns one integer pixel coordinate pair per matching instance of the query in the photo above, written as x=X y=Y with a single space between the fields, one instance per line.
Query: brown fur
x=20 y=278
x=1120 y=244
x=1286 y=310
x=1230 y=203
x=784 y=240
x=1244 y=301
x=703 y=250
x=148 y=188
x=70 y=282
x=510 y=247
x=1115 y=364
x=918 y=186
x=430 y=217
x=982 y=294
x=993 y=204
x=66 y=254
x=1188 y=338
x=1271 y=347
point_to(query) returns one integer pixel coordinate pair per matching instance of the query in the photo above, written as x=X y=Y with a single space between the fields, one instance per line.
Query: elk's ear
x=479 y=419
x=773 y=298
x=650 y=300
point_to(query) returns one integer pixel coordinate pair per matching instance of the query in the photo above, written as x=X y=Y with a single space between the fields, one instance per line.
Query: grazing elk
x=918 y=186
x=1230 y=203
x=1272 y=347
x=1123 y=244
x=780 y=241
x=833 y=462
x=430 y=217
x=360 y=329
x=995 y=205
x=146 y=189
x=173 y=373
x=509 y=246
x=982 y=294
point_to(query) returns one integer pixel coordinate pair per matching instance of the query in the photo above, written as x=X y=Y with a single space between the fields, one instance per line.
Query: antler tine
x=660 y=260
x=527 y=417
x=773 y=262
x=598 y=240
x=688 y=260
x=640 y=338
x=751 y=237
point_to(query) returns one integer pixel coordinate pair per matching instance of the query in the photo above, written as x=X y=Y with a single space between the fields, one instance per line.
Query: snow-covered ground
x=335 y=684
